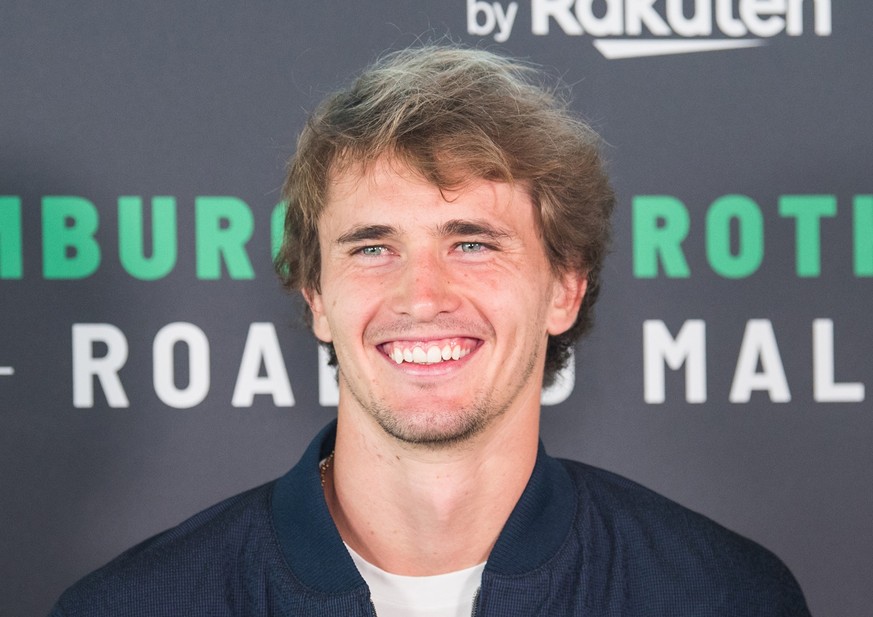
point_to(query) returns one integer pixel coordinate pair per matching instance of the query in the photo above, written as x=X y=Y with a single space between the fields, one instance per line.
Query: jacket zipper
x=476 y=602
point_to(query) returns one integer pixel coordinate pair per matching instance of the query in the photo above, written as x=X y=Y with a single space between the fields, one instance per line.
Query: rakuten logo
x=635 y=28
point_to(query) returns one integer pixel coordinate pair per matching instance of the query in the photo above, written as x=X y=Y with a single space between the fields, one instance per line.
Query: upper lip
x=428 y=338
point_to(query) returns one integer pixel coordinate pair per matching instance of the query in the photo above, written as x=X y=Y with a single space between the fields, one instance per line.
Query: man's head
x=452 y=116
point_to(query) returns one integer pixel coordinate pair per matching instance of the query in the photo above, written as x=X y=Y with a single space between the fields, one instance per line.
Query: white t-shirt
x=443 y=595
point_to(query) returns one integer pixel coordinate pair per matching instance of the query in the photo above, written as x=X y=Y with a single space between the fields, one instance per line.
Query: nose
x=424 y=287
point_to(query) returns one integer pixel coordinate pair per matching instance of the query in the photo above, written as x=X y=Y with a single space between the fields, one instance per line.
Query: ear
x=320 y=325
x=569 y=289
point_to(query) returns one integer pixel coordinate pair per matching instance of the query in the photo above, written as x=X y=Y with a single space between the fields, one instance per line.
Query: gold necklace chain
x=324 y=466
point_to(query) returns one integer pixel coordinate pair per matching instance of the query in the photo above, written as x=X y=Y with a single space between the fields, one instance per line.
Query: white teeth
x=431 y=355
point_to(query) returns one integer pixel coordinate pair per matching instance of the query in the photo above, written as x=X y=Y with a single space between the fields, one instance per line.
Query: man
x=447 y=223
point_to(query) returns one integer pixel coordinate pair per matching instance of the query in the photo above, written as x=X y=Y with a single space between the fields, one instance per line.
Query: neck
x=421 y=511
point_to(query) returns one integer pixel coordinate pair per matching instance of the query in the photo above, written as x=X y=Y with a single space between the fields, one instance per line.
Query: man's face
x=439 y=305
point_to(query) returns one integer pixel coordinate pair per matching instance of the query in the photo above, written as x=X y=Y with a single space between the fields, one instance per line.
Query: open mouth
x=429 y=352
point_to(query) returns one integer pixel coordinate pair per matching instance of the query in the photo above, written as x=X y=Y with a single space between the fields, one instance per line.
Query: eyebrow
x=366 y=233
x=456 y=227
x=477 y=227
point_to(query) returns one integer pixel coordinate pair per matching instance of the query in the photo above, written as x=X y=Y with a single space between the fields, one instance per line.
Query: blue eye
x=471 y=247
x=372 y=251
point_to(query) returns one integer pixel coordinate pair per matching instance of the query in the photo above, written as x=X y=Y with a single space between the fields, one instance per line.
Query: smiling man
x=447 y=221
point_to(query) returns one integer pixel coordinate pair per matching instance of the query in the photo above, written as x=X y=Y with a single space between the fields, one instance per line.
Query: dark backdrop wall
x=150 y=365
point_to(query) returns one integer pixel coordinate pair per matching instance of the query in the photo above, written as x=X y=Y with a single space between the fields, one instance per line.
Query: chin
x=433 y=428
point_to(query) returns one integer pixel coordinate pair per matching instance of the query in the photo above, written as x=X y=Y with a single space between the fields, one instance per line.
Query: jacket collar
x=311 y=544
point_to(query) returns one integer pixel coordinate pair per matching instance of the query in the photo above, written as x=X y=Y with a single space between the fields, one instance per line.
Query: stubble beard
x=440 y=428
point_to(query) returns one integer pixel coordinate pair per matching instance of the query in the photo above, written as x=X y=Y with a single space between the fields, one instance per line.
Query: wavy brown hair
x=454 y=114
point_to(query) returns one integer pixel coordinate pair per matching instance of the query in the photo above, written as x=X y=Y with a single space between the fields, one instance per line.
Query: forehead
x=389 y=189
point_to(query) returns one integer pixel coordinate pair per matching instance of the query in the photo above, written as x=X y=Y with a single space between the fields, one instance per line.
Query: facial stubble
x=426 y=429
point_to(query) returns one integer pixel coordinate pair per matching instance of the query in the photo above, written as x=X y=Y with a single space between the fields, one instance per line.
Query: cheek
x=536 y=298
x=349 y=312
x=514 y=299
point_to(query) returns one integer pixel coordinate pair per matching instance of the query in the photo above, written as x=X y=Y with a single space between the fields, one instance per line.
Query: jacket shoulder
x=217 y=554
x=669 y=554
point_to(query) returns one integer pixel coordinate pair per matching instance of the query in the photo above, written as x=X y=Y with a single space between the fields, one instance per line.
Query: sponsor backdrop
x=150 y=365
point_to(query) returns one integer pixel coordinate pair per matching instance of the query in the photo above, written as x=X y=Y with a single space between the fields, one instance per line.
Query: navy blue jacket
x=581 y=541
